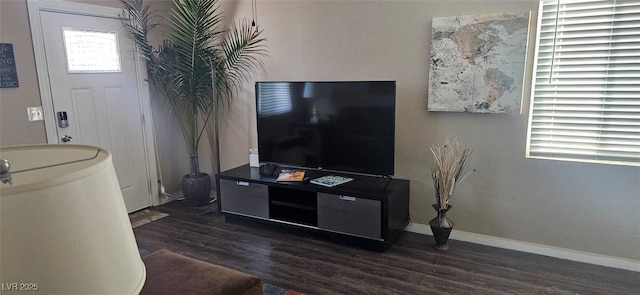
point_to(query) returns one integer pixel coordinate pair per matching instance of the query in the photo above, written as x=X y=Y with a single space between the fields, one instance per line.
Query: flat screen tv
x=343 y=126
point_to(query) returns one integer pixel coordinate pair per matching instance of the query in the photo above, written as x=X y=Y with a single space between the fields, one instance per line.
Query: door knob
x=66 y=138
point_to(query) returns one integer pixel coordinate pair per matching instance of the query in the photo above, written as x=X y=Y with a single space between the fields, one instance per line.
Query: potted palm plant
x=198 y=67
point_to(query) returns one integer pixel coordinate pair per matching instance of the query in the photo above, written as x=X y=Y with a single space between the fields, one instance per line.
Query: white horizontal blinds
x=274 y=98
x=586 y=93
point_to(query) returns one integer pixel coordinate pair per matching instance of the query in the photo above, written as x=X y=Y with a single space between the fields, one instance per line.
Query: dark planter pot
x=196 y=189
x=441 y=227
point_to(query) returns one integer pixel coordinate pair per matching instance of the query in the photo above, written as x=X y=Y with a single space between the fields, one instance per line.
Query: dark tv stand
x=368 y=211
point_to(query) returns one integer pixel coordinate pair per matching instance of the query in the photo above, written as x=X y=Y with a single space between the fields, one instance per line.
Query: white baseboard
x=557 y=252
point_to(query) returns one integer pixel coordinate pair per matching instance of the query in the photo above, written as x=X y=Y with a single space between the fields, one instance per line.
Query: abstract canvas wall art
x=477 y=63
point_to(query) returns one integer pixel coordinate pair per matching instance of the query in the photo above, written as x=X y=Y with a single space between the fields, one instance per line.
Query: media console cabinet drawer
x=244 y=197
x=350 y=215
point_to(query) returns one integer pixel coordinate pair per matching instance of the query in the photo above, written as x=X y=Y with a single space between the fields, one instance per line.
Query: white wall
x=585 y=207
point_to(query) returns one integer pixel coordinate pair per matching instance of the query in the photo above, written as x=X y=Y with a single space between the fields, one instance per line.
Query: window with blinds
x=585 y=103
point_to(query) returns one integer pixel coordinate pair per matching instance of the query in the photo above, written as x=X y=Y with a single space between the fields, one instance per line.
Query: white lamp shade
x=64 y=226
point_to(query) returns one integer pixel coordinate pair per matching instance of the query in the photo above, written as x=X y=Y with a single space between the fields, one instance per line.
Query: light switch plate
x=35 y=114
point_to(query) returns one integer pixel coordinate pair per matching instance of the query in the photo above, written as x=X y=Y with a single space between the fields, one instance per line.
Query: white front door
x=95 y=87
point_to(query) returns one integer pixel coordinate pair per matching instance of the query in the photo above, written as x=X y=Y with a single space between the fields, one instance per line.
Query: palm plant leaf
x=243 y=48
x=137 y=23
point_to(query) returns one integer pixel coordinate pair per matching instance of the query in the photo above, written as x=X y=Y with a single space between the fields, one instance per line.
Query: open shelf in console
x=292 y=205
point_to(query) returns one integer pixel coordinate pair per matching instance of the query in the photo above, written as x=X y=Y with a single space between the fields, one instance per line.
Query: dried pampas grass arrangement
x=449 y=169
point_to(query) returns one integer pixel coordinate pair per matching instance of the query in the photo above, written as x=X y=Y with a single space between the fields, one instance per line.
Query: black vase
x=196 y=189
x=441 y=227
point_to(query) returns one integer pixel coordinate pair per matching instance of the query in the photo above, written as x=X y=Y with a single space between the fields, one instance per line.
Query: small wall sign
x=8 y=73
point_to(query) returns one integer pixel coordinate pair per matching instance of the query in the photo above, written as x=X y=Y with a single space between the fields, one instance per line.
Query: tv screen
x=343 y=126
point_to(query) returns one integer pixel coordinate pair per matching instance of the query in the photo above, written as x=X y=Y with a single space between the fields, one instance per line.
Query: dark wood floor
x=298 y=261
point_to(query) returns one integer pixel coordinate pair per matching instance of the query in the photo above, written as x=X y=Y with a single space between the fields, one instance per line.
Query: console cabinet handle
x=242 y=183
x=348 y=198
